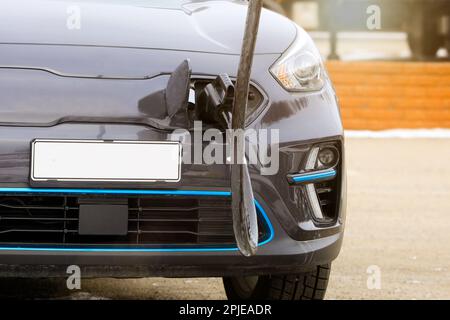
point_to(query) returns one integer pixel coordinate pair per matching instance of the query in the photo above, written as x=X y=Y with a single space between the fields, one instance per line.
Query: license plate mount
x=105 y=160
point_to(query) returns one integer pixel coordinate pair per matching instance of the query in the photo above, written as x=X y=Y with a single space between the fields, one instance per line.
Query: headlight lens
x=300 y=67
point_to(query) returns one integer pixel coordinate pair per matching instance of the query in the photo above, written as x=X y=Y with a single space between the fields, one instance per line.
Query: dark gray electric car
x=100 y=101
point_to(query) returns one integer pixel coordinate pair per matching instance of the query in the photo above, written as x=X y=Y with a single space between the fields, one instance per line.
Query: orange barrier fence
x=387 y=95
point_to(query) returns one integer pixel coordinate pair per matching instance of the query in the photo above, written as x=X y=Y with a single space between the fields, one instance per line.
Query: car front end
x=80 y=85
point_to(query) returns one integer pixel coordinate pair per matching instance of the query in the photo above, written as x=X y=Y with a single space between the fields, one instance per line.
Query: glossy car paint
x=74 y=84
x=176 y=25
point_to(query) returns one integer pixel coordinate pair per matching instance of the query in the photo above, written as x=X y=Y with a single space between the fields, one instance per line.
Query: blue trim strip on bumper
x=134 y=192
x=311 y=177
x=118 y=191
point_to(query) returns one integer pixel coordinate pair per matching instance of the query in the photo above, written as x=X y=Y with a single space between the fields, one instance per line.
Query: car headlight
x=300 y=68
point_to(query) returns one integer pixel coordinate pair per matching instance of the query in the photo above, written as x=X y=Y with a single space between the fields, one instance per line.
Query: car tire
x=302 y=286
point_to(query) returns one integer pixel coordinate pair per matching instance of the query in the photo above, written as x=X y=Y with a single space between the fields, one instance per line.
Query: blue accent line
x=314 y=176
x=267 y=220
x=118 y=191
x=118 y=249
x=135 y=192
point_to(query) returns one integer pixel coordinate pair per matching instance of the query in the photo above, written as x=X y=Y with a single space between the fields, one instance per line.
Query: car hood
x=200 y=26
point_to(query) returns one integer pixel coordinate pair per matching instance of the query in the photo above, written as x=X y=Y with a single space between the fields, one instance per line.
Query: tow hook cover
x=103 y=218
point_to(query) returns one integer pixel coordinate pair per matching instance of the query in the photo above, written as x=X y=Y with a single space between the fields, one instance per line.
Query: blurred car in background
x=426 y=22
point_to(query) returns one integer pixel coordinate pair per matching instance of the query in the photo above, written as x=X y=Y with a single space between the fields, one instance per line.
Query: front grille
x=152 y=221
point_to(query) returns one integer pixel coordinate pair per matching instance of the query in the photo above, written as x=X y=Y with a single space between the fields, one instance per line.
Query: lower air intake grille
x=152 y=221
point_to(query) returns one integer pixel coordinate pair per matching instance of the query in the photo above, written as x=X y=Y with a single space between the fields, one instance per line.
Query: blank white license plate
x=97 y=160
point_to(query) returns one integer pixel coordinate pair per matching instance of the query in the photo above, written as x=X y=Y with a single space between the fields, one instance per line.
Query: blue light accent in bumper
x=135 y=192
x=311 y=177
x=118 y=191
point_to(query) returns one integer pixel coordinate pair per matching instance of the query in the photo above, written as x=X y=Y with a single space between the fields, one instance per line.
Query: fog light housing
x=328 y=157
x=323 y=194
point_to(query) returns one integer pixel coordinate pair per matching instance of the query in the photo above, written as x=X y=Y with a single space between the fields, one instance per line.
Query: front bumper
x=296 y=242
x=280 y=257
x=278 y=253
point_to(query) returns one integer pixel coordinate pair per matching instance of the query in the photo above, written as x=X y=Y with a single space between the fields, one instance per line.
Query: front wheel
x=302 y=286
